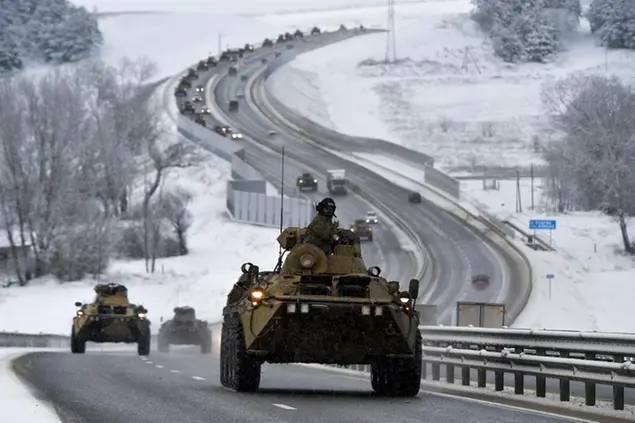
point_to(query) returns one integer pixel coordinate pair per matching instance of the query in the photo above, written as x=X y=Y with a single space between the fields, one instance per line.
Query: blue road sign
x=550 y=275
x=542 y=224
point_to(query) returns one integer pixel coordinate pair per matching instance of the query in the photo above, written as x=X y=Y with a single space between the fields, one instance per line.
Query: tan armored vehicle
x=185 y=329
x=110 y=318
x=318 y=308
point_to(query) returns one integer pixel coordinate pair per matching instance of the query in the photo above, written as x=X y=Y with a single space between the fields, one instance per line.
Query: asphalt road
x=457 y=251
x=183 y=386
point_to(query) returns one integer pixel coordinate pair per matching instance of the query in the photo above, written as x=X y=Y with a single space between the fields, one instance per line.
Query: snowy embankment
x=454 y=100
x=17 y=403
x=449 y=96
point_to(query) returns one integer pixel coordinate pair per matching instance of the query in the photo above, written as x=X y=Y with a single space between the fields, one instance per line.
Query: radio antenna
x=282 y=192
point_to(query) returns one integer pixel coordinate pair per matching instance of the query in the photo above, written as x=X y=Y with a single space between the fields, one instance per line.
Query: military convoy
x=336 y=181
x=110 y=318
x=185 y=329
x=319 y=308
x=307 y=181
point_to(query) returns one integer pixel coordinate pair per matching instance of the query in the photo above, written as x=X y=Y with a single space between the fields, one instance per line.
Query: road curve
x=385 y=250
x=457 y=251
x=183 y=386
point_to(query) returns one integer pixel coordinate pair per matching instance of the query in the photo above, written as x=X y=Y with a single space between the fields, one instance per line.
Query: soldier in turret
x=322 y=229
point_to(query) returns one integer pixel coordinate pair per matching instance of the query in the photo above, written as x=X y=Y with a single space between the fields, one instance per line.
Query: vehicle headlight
x=315 y=181
x=301 y=181
x=80 y=313
x=141 y=315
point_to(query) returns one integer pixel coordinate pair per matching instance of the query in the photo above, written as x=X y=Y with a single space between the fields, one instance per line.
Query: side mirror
x=141 y=309
x=78 y=304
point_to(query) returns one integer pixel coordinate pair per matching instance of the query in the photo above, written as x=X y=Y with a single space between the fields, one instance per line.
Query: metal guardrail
x=247 y=200
x=25 y=340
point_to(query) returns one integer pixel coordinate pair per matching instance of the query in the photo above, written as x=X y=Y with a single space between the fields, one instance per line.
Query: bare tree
x=174 y=208
x=597 y=147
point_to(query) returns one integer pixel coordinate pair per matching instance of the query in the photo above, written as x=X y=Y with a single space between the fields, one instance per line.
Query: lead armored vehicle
x=321 y=308
x=110 y=318
x=185 y=329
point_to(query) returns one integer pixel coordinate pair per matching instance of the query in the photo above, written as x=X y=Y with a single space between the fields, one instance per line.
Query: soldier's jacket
x=320 y=232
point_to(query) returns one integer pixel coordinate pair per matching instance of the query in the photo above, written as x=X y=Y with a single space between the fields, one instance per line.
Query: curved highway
x=385 y=250
x=183 y=386
x=456 y=250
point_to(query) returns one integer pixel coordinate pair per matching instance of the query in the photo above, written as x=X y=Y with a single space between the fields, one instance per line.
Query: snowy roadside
x=17 y=403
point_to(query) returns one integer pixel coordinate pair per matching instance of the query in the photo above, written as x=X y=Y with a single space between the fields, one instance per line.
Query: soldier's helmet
x=326 y=207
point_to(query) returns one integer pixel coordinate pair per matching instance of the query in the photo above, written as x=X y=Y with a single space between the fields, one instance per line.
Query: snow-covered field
x=448 y=97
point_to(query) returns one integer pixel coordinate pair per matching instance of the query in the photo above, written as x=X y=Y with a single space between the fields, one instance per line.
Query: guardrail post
x=436 y=371
x=589 y=388
x=519 y=378
x=618 y=391
x=565 y=384
x=449 y=373
x=481 y=376
x=465 y=376
x=499 y=377
x=541 y=381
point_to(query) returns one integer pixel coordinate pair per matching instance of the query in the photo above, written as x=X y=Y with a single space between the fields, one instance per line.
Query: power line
x=391 y=42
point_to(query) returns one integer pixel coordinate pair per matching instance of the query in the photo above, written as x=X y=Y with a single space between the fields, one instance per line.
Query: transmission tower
x=391 y=42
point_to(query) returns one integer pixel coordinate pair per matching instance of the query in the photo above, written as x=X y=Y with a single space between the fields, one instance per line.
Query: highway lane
x=457 y=251
x=384 y=251
x=183 y=386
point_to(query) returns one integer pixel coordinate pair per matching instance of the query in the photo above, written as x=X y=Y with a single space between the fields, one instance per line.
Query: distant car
x=200 y=88
x=363 y=229
x=197 y=98
x=272 y=133
x=232 y=71
x=205 y=111
x=267 y=43
x=298 y=34
x=316 y=31
x=192 y=73
x=180 y=92
x=281 y=39
x=371 y=217
x=222 y=130
x=243 y=77
x=248 y=47
x=211 y=61
x=307 y=181
x=414 y=197
x=188 y=108
x=233 y=105
x=342 y=28
x=236 y=135
x=480 y=281
x=185 y=83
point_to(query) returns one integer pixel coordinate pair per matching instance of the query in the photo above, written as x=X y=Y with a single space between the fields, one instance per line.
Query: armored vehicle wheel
x=78 y=345
x=239 y=371
x=143 y=343
x=163 y=344
x=206 y=343
x=398 y=377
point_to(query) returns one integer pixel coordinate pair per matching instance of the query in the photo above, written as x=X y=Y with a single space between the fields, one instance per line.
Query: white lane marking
x=144 y=358
x=198 y=378
x=175 y=371
x=148 y=362
x=284 y=406
x=159 y=366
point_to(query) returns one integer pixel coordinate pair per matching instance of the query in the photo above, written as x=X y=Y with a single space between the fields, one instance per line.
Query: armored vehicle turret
x=185 y=329
x=110 y=318
x=321 y=308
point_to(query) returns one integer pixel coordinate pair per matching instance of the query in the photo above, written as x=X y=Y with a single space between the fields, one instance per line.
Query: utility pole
x=220 y=43
x=391 y=42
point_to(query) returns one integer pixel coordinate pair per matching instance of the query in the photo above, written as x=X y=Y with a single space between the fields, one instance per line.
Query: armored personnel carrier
x=185 y=329
x=321 y=308
x=110 y=318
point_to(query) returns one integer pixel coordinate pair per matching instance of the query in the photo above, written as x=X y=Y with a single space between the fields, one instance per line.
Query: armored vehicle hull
x=321 y=308
x=102 y=328
x=190 y=333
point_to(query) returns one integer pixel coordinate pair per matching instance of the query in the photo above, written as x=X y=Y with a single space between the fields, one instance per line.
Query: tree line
x=83 y=155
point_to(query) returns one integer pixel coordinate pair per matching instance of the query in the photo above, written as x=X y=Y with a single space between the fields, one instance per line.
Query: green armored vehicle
x=110 y=318
x=319 y=308
x=185 y=329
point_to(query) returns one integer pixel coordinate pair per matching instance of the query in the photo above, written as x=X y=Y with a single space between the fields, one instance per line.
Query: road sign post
x=550 y=277
x=542 y=225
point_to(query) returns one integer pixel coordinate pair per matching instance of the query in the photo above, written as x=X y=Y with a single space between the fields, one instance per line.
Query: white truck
x=336 y=181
